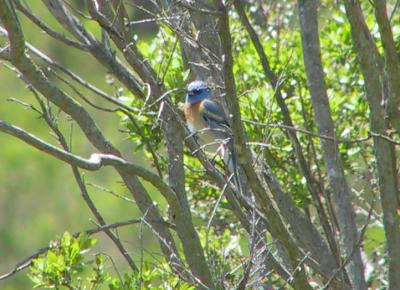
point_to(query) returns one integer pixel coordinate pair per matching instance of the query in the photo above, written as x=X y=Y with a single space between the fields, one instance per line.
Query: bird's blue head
x=197 y=91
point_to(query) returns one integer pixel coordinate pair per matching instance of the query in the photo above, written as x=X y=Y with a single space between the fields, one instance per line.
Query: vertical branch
x=303 y=165
x=323 y=118
x=384 y=151
x=244 y=155
x=205 y=24
x=294 y=216
x=392 y=64
x=182 y=216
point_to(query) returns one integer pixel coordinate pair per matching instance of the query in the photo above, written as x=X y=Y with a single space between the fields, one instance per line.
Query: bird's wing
x=214 y=114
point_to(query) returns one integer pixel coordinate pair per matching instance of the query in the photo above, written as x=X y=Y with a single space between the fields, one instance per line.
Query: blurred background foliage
x=39 y=198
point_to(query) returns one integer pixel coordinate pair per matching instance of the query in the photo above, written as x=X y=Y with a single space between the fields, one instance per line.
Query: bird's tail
x=233 y=165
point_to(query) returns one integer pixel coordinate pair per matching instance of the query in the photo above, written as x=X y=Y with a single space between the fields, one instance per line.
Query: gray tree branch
x=392 y=64
x=385 y=156
x=323 y=117
x=276 y=228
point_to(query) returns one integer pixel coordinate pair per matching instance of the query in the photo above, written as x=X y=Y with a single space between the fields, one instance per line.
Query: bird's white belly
x=209 y=140
x=192 y=128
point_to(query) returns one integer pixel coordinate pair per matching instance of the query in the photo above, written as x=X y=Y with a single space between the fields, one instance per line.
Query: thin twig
x=303 y=131
x=85 y=99
x=79 y=80
x=394 y=10
x=198 y=9
x=56 y=35
x=111 y=192
x=148 y=20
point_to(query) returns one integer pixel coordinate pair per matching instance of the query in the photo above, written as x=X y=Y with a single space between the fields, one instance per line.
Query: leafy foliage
x=63 y=262
x=66 y=264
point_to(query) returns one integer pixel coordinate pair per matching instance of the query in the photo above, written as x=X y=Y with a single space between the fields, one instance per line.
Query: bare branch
x=312 y=185
x=28 y=13
x=340 y=190
x=309 y=133
x=95 y=162
x=79 y=80
x=105 y=57
x=369 y=60
x=392 y=64
x=277 y=228
x=198 y=9
x=293 y=216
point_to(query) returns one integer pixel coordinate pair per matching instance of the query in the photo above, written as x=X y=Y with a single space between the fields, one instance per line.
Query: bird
x=207 y=120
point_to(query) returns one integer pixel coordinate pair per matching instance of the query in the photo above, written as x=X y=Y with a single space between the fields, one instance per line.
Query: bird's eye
x=193 y=92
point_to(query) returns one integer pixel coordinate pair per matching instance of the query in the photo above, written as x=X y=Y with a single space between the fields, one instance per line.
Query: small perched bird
x=207 y=119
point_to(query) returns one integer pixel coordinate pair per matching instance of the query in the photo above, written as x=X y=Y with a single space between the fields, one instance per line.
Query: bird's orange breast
x=193 y=117
x=207 y=138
